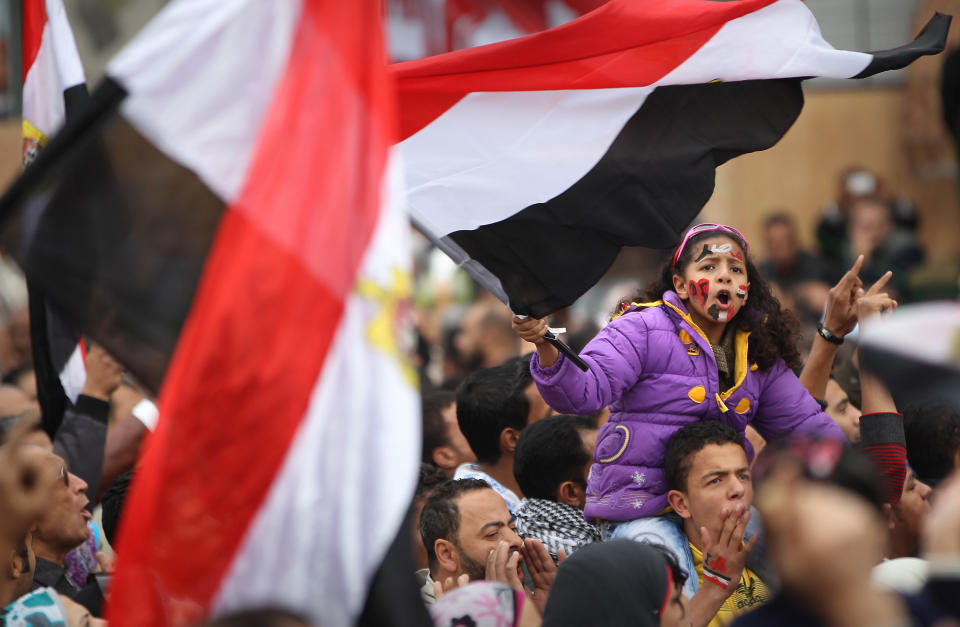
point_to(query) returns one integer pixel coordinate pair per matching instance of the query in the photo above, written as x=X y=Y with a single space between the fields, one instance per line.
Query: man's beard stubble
x=474 y=569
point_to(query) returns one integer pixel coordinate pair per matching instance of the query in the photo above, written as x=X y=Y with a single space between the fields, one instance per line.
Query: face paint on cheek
x=716 y=314
x=700 y=289
x=741 y=292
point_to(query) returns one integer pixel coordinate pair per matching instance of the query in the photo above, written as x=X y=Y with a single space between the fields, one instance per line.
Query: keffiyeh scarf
x=555 y=524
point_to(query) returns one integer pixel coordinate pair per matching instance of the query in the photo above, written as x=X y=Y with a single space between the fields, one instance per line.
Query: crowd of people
x=713 y=465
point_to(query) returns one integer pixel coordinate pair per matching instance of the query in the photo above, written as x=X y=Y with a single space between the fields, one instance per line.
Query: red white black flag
x=223 y=219
x=54 y=88
x=533 y=161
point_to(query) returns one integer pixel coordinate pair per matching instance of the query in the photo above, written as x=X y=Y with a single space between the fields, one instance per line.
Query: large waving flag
x=532 y=161
x=223 y=218
x=54 y=88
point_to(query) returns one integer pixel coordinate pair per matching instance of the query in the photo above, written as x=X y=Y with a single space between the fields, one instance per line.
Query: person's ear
x=16 y=566
x=678 y=501
x=888 y=516
x=508 y=440
x=572 y=493
x=447 y=555
x=444 y=458
x=680 y=287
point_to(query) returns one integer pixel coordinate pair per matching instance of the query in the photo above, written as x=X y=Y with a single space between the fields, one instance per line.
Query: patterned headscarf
x=479 y=604
x=40 y=607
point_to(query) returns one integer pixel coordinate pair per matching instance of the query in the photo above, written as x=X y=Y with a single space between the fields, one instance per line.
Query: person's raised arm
x=532 y=330
x=881 y=426
x=615 y=360
x=82 y=435
x=839 y=319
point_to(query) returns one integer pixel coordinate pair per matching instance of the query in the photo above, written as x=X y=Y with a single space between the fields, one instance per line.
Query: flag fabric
x=223 y=218
x=54 y=87
x=916 y=353
x=533 y=161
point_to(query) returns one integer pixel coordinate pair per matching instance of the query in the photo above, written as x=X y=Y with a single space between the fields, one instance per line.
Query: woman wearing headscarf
x=618 y=583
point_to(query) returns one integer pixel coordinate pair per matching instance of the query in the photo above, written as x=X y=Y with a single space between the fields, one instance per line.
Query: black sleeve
x=82 y=439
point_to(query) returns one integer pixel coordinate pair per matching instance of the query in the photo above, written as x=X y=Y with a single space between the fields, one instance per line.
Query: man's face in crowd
x=913 y=507
x=719 y=478
x=484 y=523
x=781 y=243
x=456 y=441
x=64 y=523
x=870 y=225
x=842 y=411
x=469 y=340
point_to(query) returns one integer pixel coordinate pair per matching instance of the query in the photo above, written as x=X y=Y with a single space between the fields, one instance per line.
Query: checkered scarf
x=555 y=524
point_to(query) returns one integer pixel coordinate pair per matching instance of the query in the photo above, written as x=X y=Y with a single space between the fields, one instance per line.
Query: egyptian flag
x=532 y=161
x=223 y=218
x=54 y=88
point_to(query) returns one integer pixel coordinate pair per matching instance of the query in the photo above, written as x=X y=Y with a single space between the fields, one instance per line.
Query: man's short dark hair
x=778 y=217
x=435 y=433
x=550 y=452
x=521 y=370
x=430 y=478
x=489 y=401
x=440 y=517
x=932 y=431
x=689 y=441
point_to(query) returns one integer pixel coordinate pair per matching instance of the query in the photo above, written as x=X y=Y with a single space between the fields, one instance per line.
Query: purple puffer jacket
x=656 y=371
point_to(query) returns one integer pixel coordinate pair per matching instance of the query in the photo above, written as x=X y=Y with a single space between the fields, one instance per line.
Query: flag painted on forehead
x=54 y=88
x=223 y=218
x=533 y=161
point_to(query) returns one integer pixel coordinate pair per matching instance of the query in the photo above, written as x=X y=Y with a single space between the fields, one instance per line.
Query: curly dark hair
x=774 y=332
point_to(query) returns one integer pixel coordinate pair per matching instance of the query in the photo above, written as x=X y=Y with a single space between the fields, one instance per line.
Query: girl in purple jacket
x=709 y=342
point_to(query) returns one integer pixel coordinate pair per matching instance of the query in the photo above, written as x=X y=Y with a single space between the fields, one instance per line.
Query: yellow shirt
x=751 y=592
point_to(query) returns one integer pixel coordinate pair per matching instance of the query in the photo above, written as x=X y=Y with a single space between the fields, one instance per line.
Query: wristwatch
x=828 y=335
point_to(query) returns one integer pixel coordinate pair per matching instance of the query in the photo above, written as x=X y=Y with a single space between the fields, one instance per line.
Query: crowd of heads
x=716 y=481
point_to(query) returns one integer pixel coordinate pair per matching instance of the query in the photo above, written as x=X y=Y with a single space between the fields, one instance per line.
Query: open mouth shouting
x=723 y=309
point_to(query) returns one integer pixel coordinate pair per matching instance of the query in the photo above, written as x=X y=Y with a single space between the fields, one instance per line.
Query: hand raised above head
x=841 y=315
x=104 y=373
x=530 y=329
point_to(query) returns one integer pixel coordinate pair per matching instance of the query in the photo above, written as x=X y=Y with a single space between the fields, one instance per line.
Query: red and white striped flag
x=224 y=219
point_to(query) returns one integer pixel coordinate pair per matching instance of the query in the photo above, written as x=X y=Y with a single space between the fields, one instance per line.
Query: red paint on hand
x=719 y=565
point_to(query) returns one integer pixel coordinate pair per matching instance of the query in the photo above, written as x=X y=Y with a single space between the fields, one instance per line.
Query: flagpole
x=488 y=281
